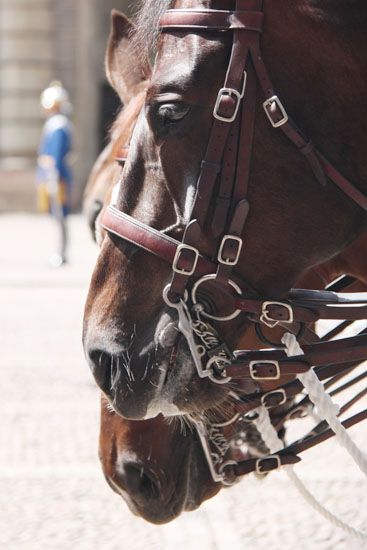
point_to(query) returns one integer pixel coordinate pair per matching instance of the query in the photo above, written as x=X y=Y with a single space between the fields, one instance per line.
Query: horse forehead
x=188 y=54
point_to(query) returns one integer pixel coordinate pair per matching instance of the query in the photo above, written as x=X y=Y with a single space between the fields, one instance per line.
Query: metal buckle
x=254 y=376
x=268 y=104
x=176 y=259
x=269 y=321
x=283 y=400
x=233 y=92
x=259 y=462
x=228 y=261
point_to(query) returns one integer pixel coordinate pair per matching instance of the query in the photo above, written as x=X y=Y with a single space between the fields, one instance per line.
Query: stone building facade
x=41 y=41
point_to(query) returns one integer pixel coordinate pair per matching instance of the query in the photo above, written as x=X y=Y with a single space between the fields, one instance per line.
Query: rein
x=228 y=158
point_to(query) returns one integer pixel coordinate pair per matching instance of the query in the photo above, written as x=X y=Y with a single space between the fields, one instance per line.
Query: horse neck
x=317 y=58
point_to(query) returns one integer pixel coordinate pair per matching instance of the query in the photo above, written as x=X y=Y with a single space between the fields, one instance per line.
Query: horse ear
x=124 y=72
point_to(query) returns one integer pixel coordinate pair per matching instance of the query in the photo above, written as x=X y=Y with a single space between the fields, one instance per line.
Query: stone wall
x=43 y=40
x=26 y=66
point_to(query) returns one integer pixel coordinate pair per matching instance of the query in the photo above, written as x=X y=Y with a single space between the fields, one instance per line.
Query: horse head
x=131 y=337
x=156 y=466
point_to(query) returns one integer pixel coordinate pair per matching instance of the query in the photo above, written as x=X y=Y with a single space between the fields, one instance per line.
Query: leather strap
x=289 y=455
x=211 y=20
x=156 y=242
x=274 y=364
x=307 y=305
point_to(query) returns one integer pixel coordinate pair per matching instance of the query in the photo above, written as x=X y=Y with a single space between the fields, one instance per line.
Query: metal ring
x=218 y=379
x=208 y=315
x=221 y=471
x=168 y=301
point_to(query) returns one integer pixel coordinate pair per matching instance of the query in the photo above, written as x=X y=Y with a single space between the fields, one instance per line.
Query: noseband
x=227 y=159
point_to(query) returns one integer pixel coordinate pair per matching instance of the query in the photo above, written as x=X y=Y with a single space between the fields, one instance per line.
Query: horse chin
x=190 y=486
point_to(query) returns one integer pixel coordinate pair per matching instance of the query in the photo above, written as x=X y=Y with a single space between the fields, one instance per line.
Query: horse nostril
x=102 y=365
x=140 y=482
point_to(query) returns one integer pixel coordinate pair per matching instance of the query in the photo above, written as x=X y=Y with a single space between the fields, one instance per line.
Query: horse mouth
x=160 y=498
x=182 y=384
x=157 y=375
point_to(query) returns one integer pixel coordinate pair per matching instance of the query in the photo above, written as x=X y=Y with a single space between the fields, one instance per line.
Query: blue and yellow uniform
x=54 y=175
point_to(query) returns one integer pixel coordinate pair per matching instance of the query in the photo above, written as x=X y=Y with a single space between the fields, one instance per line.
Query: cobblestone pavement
x=52 y=493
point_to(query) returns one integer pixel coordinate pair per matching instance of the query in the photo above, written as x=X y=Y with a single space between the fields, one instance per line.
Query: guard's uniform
x=55 y=181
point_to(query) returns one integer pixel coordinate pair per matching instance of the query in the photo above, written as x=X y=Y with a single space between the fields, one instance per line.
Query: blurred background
x=52 y=492
x=41 y=41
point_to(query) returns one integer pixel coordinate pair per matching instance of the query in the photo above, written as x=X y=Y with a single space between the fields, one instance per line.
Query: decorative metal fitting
x=180 y=249
x=265 y=398
x=254 y=365
x=232 y=239
x=268 y=106
x=260 y=464
x=270 y=321
x=230 y=92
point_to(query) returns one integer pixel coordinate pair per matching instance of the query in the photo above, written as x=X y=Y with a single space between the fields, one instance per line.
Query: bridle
x=227 y=159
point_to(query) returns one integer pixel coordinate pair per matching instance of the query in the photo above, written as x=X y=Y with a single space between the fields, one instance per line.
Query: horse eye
x=172 y=112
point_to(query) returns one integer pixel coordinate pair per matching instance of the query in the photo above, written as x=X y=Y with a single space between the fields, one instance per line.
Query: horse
x=156 y=466
x=159 y=469
x=127 y=323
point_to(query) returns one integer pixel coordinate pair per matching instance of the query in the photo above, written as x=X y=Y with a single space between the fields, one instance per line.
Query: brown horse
x=156 y=467
x=317 y=59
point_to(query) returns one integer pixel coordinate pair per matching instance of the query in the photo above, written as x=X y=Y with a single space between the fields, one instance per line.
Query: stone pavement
x=52 y=492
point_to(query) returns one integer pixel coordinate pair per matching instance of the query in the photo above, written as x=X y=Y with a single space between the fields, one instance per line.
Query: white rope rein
x=327 y=410
x=275 y=444
x=325 y=406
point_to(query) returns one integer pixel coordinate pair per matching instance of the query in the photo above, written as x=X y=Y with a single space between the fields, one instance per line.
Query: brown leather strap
x=305 y=444
x=153 y=241
x=320 y=166
x=211 y=20
x=346 y=186
x=274 y=364
x=307 y=305
x=286 y=392
x=185 y=258
x=264 y=465
x=289 y=455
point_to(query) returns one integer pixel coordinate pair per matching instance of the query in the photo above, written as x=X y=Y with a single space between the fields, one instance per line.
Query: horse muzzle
x=152 y=373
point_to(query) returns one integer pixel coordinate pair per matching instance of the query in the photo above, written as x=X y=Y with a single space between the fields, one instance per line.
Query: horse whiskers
x=114 y=373
x=109 y=407
x=182 y=422
x=222 y=411
x=146 y=368
x=127 y=365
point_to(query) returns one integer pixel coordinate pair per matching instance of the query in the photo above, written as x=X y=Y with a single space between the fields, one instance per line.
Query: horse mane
x=122 y=128
x=145 y=23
